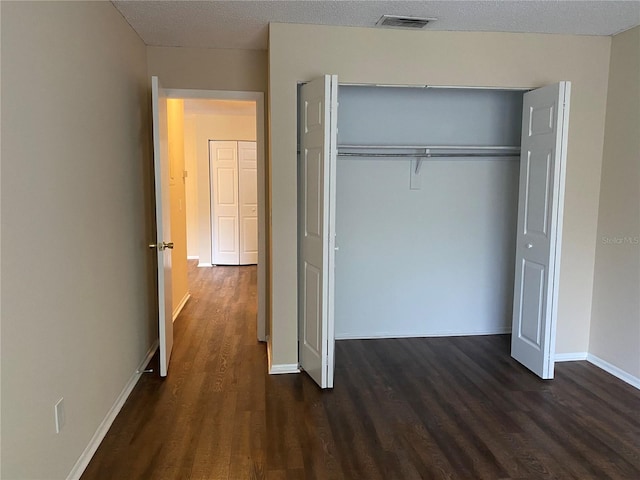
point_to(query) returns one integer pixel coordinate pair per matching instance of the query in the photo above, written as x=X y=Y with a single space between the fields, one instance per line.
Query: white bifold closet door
x=545 y=122
x=539 y=235
x=234 y=221
x=319 y=102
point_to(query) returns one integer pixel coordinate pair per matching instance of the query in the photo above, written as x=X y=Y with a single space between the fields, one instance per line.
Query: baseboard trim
x=80 y=466
x=280 y=368
x=615 y=371
x=200 y=264
x=181 y=305
x=372 y=336
x=284 y=368
x=193 y=257
x=570 y=357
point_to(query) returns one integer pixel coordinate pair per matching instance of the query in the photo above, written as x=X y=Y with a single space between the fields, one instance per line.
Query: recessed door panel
x=313 y=309
x=533 y=275
x=313 y=187
x=226 y=234
x=539 y=177
x=226 y=187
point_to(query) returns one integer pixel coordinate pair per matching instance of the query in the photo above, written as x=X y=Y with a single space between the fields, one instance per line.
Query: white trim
x=103 y=428
x=613 y=370
x=202 y=265
x=281 y=368
x=181 y=305
x=193 y=257
x=570 y=357
x=357 y=336
x=284 y=368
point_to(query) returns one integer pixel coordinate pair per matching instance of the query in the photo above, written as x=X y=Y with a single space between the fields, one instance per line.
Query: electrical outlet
x=59 y=414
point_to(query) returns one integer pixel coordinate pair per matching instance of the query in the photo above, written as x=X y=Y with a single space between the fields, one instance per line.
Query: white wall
x=200 y=128
x=433 y=261
x=76 y=217
x=615 y=321
x=298 y=53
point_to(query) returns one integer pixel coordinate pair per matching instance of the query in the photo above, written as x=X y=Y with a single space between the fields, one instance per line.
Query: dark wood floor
x=457 y=408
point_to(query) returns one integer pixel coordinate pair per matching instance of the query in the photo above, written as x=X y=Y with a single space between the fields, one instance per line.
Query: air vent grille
x=396 y=21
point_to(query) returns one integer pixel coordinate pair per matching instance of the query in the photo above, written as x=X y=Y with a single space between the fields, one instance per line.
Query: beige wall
x=615 y=321
x=200 y=129
x=302 y=52
x=178 y=202
x=209 y=68
x=76 y=210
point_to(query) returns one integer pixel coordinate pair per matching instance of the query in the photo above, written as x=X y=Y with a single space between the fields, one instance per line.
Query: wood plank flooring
x=437 y=408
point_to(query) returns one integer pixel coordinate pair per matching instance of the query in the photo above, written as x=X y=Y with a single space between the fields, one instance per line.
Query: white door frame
x=258 y=98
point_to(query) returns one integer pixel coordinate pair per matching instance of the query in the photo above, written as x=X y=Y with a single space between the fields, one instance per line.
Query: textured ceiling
x=244 y=23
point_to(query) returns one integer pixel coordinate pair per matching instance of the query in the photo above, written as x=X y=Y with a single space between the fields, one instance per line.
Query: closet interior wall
x=438 y=260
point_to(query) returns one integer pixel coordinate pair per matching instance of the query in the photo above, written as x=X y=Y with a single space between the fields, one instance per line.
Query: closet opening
x=426 y=230
x=421 y=210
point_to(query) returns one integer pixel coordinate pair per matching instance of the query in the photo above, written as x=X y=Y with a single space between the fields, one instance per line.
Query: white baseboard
x=103 y=428
x=570 y=357
x=371 y=336
x=284 y=368
x=193 y=257
x=279 y=368
x=181 y=305
x=615 y=371
x=201 y=264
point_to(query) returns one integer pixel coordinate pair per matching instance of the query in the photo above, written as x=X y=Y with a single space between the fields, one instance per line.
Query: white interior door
x=248 y=208
x=541 y=196
x=318 y=179
x=162 y=244
x=225 y=240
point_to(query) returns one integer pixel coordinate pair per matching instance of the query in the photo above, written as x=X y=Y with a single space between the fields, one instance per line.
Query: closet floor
x=457 y=408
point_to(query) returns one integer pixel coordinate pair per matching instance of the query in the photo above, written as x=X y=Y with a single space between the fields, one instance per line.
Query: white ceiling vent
x=397 y=21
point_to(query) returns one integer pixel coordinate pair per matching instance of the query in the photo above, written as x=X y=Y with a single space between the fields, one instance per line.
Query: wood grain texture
x=415 y=408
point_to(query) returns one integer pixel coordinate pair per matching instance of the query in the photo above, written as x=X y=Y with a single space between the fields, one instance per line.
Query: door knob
x=161 y=246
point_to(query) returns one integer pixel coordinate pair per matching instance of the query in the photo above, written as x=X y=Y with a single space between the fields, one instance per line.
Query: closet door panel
x=318 y=164
x=248 y=194
x=225 y=240
x=539 y=236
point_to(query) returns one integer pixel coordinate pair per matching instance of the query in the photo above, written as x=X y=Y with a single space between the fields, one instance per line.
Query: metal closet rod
x=436 y=147
x=427 y=155
x=485 y=151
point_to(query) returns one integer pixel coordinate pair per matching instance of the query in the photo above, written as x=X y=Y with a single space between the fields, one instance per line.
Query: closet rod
x=427 y=155
x=435 y=147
